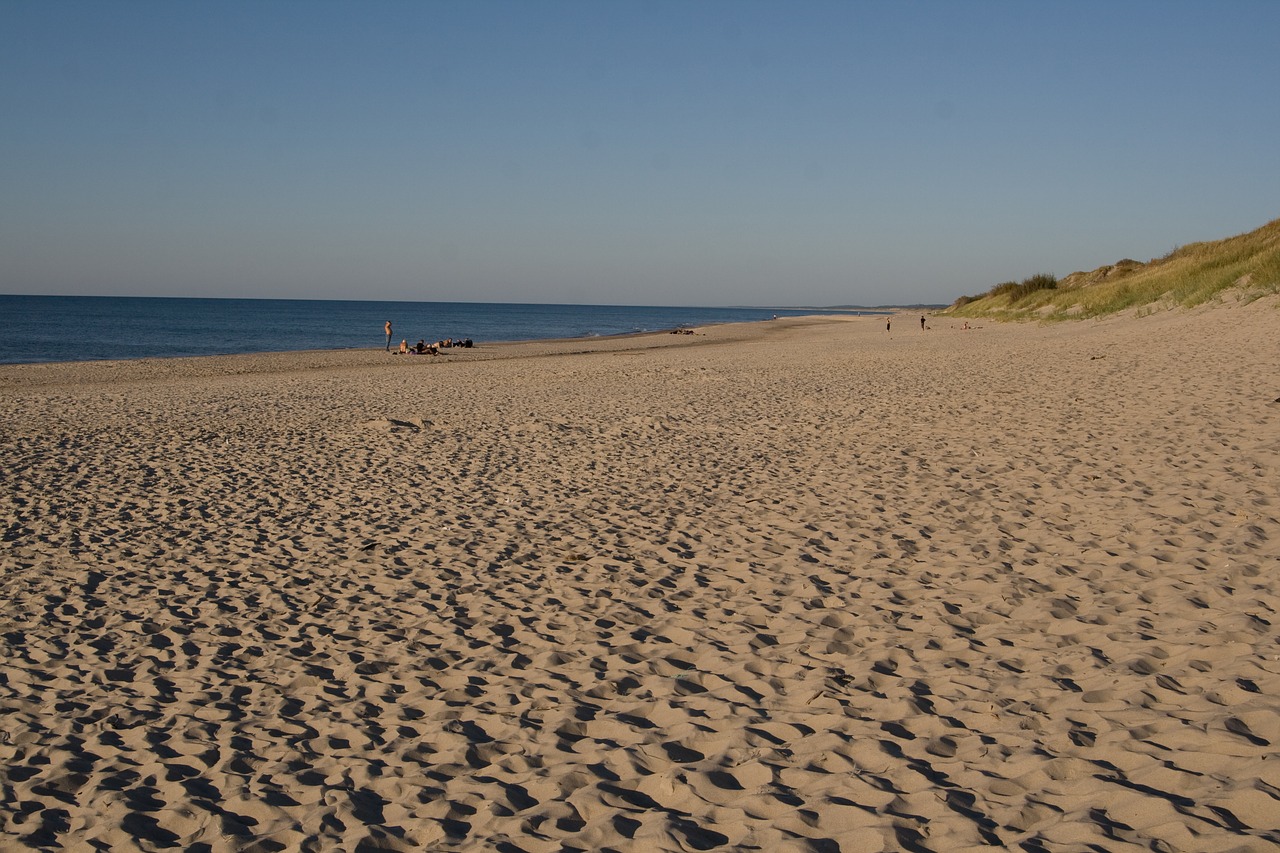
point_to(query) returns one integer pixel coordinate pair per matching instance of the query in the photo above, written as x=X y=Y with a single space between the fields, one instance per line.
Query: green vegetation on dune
x=1248 y=264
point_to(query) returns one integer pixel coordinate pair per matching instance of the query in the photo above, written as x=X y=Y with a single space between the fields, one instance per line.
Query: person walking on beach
x=888 y=324
x=388 y=329
x=922 y=322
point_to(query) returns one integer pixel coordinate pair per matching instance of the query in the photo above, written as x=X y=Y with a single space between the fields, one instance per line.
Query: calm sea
x=81 y=328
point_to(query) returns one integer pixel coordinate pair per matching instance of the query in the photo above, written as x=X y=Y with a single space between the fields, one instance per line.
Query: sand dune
x=793 y=586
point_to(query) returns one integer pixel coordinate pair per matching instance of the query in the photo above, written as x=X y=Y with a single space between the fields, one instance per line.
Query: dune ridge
x=803 y=585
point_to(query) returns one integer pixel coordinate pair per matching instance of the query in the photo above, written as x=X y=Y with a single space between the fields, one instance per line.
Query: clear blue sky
x=683 y=152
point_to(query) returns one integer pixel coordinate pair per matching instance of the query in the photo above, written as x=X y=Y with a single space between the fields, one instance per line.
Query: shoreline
x=113 y=370
x=789 y=585
x=163 y=328
x=834 y=312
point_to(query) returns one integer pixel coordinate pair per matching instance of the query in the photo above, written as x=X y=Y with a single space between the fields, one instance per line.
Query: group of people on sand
x=420 y=348
x=424 y=348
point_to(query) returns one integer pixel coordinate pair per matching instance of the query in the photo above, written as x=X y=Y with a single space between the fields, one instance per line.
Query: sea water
x=81 y=328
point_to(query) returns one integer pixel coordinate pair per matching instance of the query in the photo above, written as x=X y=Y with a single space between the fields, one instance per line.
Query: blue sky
x=701 y=153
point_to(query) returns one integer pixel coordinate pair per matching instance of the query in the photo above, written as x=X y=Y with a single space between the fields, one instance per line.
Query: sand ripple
x=793 y=587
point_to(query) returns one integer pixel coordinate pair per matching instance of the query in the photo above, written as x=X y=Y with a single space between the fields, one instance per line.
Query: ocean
x=87 y=328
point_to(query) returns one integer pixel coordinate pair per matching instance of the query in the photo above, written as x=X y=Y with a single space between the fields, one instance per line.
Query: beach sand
x=798 y=585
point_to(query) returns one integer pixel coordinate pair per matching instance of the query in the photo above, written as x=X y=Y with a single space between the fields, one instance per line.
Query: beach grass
x=1247 y=265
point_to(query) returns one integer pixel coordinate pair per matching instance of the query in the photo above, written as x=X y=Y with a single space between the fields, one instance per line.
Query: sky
x=691 y=152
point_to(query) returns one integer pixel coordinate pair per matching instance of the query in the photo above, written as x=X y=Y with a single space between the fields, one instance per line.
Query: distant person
x=388 y=330
x=922 y=322
x=888 y=323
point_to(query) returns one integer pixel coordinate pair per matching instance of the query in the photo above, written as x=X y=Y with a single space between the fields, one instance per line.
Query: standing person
x=922 y=322
x=388 y=329
x=888 y=323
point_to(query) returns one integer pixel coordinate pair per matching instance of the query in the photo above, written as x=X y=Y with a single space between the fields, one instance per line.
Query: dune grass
x=1248 y=264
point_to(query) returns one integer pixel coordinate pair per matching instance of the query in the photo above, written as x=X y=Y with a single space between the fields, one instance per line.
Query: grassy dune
x=1248 y=264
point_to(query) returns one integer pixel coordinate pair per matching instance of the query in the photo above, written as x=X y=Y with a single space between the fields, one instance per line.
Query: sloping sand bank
x=801 y=585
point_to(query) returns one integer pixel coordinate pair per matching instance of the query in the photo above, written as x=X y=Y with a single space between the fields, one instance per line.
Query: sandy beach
x=800 y=585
